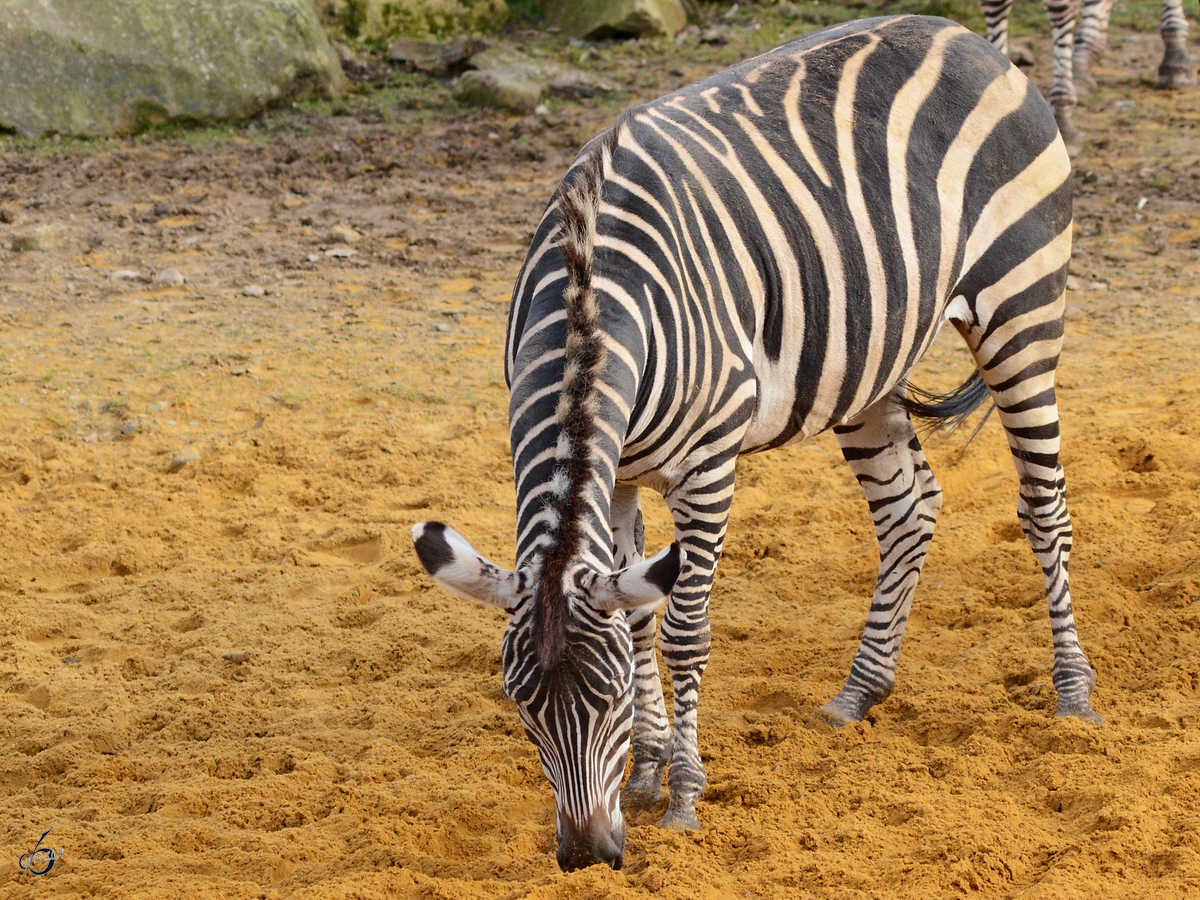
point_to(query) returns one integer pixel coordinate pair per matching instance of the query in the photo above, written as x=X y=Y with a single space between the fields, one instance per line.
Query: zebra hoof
x=641 y=799
x=679 y=819
x=850 y=705
x=1174 y=78
x=830 y=716
x=1079 y=709
x=1085 y=82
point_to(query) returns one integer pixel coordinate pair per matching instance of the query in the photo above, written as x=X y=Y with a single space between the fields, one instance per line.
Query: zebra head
x=577 y=706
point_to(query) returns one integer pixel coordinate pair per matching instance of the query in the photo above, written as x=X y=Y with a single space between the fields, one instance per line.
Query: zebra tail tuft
x=949 y=411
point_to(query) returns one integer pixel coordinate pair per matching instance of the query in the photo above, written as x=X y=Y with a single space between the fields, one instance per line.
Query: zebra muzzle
x=591 y=843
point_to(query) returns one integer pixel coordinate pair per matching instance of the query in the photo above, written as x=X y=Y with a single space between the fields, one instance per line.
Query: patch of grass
x=644 y=68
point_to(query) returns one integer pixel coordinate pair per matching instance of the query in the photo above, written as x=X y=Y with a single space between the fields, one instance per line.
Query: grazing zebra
x=737 y=266
x=1076 y=48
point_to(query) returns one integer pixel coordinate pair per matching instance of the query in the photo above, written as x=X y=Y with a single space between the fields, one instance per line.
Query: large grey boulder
x=97 y=67
x=602 y=19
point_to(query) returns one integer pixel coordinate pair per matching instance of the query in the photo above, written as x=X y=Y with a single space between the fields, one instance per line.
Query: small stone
x=44 y=237
x=188 y=454
x=541 y=110
x=441 y=326
x=344 y=234
x=313 y=257
x=429 y=56
x=572 y=84
x=518 y=88
x=341 y=252
x=1021 y=53
x=169 y=276
x=254 y=290
x=238 y=656
x=1073 y=283
x=126 y=275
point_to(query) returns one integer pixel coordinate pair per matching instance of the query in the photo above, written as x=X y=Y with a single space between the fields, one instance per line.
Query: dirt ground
x=224 y=674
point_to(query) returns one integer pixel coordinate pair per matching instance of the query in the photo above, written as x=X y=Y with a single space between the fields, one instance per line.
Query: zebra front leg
x=882 y=450
x=1175 y=71
x=701 y=514
x=651 y=731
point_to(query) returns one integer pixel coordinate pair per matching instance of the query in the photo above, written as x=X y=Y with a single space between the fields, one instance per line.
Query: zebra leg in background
x=995 y=14
x=1175 y=71
x=700 y=508
x=1062 y=15
x=1063 y=99
x=1091 y=40
x=651 y=730
x=883 y=452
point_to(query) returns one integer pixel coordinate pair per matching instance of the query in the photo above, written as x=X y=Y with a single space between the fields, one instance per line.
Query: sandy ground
x=225 y=676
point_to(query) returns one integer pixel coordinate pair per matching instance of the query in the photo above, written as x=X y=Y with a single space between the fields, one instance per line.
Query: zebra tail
x=947 y=412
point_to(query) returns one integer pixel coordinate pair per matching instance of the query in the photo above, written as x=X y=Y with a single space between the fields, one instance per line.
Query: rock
x=1021 y=53
x=508 y=79
x=44 y=237
x=434 y=57
x=606 y=19
x=126 y=275
x=387 y=19
x=101 y=67
x=572 y=84
x=169 y=276
x=1073 y=283
x=340 y=252
x=512 y=88
x=344 y=234
x=238 y=656
x=188 y=454
x=254 y=290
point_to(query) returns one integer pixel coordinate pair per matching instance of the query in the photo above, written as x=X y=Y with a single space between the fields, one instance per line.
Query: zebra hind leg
x=882 y=450
x=651 y=730
x=1016 y=350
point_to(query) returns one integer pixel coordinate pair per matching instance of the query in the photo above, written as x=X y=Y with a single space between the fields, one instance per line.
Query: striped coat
x=740 y=265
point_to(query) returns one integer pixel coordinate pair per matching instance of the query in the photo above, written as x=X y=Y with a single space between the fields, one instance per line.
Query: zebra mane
x=578 y=199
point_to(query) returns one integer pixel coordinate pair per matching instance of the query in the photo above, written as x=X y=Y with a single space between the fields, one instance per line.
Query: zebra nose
x=595 y=843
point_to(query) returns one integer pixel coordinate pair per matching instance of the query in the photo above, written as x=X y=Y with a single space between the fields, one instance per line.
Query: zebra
x=736 y=266
x=1076 y=48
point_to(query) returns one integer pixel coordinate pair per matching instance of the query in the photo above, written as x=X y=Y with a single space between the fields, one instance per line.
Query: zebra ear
x=644 y=584
x=456 y=566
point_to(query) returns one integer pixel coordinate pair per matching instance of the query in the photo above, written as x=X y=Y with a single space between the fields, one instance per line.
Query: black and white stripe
x=737 y=266
x=1080 y=36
